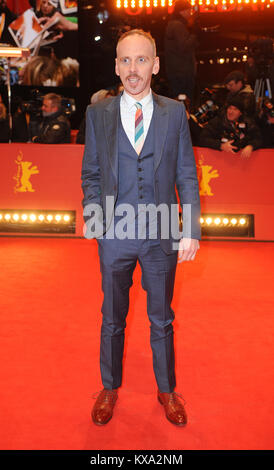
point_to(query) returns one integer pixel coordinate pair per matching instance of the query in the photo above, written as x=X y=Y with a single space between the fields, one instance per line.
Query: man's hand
x=188 y=248
x=247 y=151
x=228 y=147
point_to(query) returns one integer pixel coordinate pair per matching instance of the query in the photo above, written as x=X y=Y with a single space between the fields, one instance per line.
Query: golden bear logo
x=205 y=174
x=24 y=171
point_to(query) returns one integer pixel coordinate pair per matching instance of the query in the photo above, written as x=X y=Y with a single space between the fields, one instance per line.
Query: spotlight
x=227 y=225
x=37 y=221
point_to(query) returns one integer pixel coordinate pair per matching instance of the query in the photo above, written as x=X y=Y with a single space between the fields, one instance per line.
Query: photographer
x=266 y=123
x=235 y=84
x=4 y=123
x=180 y=46
x=231 y=131
x=54 y=127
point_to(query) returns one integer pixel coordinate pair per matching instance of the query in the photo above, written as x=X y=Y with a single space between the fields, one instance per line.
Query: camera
x=268 y=107
x=206 y=112
x=238 y=135
x=34 y=104
x=214 y=99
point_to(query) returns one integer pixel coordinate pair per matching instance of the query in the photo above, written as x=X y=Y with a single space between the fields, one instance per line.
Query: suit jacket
x=174 y=163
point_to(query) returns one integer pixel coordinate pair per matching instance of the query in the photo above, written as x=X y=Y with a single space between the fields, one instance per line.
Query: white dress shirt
x=128 y=110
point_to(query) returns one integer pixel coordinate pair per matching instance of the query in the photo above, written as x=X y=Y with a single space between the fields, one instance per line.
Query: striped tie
x=139 y=128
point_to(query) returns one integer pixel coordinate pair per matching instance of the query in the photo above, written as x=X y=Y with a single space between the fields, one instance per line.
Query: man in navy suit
x=137 y=151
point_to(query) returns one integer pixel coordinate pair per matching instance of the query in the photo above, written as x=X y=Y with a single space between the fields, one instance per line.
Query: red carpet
x=50 y=323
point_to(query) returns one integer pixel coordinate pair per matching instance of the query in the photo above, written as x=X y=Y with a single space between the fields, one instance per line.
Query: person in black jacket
x=4 y=123
x=265 y=121
x=235 y=84
x=54 y=127
x=231 y=131
x=180 y=45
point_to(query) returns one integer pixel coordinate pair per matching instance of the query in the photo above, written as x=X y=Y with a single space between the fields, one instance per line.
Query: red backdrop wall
x=49 y=177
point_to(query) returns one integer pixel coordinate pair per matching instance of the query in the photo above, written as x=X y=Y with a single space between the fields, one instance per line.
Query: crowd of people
x=54 y=53
x=240 y=125
x=241 y=122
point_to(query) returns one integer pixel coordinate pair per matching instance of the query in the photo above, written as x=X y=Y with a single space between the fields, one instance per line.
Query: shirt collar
x=129 y=101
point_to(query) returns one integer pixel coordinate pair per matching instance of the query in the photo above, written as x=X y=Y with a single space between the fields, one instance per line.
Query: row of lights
x=164 y=3
x=223 y=60
x=32 y=218
x=228 y=2
x=143 y=3
x=223 y=221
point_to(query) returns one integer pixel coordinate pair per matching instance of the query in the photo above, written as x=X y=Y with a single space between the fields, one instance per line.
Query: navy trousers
x=118 y=259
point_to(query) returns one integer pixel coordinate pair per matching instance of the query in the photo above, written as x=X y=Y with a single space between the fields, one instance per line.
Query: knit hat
x=236 y=101
x=235 y=75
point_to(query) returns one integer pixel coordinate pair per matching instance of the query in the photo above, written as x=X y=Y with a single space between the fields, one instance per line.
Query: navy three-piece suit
x=111 y=167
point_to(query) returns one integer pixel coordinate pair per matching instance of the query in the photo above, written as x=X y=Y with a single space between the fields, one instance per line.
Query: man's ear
x=156 y=66
x=116 y=68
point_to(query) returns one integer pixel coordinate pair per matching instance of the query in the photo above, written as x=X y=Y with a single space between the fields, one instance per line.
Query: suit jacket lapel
x=111 y=122
x=161 y=117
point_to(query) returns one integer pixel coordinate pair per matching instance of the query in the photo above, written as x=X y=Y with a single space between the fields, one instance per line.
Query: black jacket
x=180 y=46
x=4 y=130
x=219 y=128
x=54 y=129
x=6 y=37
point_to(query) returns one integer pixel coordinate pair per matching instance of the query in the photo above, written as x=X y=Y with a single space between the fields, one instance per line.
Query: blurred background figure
x=266 y=123
x=236 y=86
x=4 y=123
x=180 y=45
x=46 y=8
x=19 y=128
x=98 y=96
x=54 y=127
x=50 y=71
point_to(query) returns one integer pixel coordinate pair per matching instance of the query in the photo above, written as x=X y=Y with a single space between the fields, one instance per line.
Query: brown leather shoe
x=174 y=409
x=103 y=408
